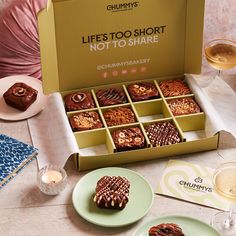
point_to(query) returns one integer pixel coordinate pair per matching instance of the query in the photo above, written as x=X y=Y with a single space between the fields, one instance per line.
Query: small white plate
x=9 y=113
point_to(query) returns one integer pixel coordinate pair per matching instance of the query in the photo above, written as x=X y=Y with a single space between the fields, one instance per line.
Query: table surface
x=27 y=211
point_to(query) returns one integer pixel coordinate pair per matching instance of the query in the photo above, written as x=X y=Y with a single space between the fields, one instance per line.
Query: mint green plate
x=190 y=226
x=140 y=199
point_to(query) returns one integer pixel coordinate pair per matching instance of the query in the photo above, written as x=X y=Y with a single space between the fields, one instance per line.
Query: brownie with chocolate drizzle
x=162 y=133
x=128 y=139
x=78 y=101
x=166 y=229
x=112 y=192
x=20 y=96
x=111 y=96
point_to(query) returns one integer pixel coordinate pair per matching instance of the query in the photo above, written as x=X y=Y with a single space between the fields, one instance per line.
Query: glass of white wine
x=224 y=180
x=221 y=54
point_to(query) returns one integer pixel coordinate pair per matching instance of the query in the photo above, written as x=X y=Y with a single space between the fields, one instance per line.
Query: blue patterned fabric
x=14 y=155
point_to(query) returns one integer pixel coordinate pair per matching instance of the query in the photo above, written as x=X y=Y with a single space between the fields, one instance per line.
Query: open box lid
x=88 y=43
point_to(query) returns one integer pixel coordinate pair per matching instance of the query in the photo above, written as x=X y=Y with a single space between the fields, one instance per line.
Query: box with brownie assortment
x=123 y=85
x=133 y=121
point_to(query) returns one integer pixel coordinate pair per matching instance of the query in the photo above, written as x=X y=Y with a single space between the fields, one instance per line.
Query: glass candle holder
x=52 y=179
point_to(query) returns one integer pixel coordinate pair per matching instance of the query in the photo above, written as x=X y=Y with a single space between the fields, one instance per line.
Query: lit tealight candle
x=52 y=176
x=52 y=180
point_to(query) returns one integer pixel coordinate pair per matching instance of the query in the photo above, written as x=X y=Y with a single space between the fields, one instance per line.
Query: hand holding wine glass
x=224 y=180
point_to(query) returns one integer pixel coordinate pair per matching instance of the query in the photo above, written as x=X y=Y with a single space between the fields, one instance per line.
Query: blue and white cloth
x=14 y=155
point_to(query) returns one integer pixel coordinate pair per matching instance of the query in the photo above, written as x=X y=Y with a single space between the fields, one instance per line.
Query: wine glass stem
x=220 y=73
x=230 y=221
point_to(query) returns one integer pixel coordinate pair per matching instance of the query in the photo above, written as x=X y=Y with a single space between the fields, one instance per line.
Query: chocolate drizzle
x=111 y=96
x=162 y=133
x=112 y=192
x=168 y=229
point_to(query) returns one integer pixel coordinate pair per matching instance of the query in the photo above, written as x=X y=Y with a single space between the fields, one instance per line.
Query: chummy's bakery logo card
x=190 y=182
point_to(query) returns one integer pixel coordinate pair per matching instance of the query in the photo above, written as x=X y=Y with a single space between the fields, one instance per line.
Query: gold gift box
x=92 y=45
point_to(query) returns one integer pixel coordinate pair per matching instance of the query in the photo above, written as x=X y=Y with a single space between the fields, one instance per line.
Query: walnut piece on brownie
x=119 y=116
x=162 y=133
x=78 y=101
x=112 y=192
x=183 y=106
x=173 y=88
x=20 y=96
x=128 y=139
x=142 y=91
x=85 y=121
x=166 y=229
x=111 y=96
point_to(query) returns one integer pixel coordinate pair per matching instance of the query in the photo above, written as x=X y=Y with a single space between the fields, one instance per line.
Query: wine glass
x=221 y=54
x=224 y=180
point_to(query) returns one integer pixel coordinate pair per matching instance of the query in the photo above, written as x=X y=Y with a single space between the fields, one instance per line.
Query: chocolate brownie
x=85 y=121
x=119 y=116
x=143 y=91
x=128 y=139
x=78 y=101
x=172 y=88
x=168 y=229
x=111 y=96
x=162 y=133
x=20 y=96
x=183 y=106
x=112 y=192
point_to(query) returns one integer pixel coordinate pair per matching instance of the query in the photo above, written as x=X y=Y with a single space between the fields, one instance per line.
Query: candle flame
x=53 y=180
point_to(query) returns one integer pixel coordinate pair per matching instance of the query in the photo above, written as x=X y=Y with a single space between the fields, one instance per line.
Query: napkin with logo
x=190 y=182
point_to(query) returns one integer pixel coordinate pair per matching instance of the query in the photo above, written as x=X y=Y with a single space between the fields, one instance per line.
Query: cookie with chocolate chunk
x=172 y=88
x=162 y=133
x=20 y=96
x=112 y=192
x=78 y=101
x=183 y=106
x=168 y=229
x=128 y=139
x=119 y=116
x=142 y=91
x=111 y=96
x=85 y=121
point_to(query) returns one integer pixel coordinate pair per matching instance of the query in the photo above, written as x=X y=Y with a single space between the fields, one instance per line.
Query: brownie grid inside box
x=145 y=112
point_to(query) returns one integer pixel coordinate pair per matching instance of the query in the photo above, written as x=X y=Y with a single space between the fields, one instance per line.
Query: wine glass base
x=221 y=222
